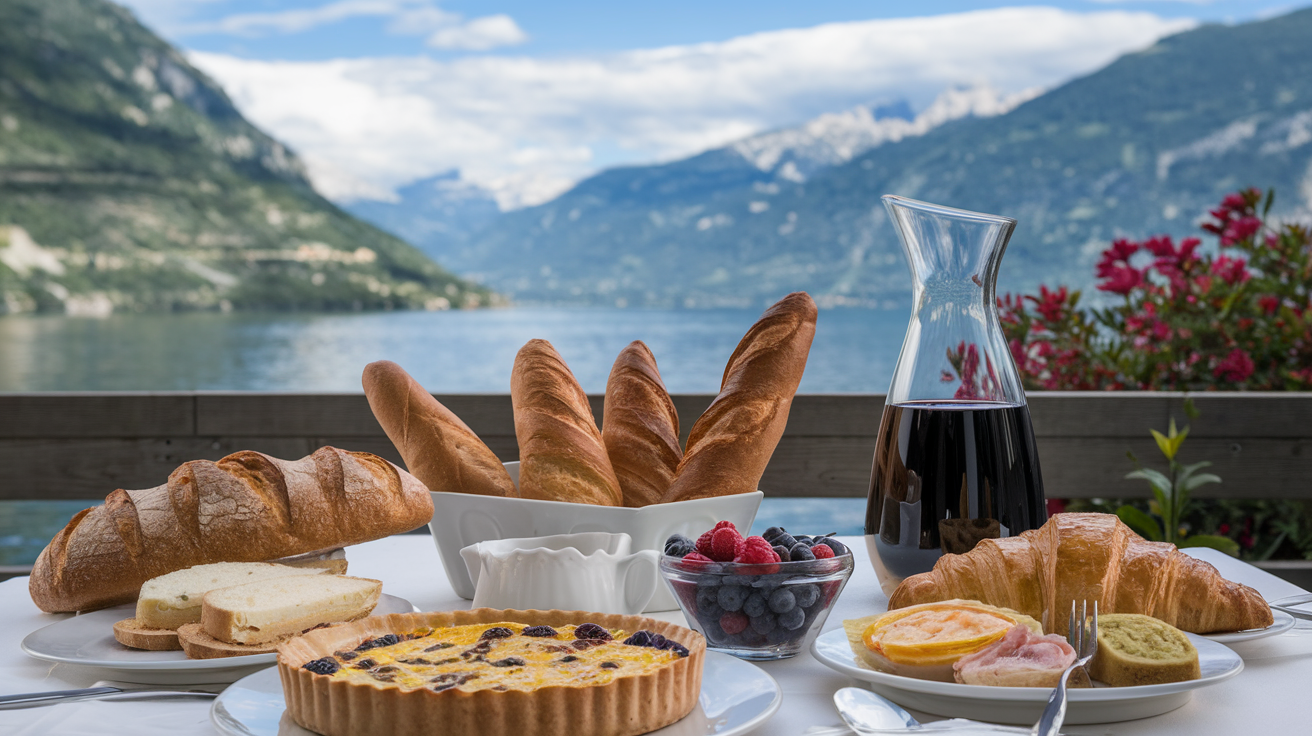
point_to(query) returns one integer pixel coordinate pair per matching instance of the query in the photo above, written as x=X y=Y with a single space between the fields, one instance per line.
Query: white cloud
x=381 y=122
x=479 y=34
x=445 y=30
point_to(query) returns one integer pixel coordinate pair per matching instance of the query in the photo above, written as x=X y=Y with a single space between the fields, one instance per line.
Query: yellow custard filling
x=500 y=656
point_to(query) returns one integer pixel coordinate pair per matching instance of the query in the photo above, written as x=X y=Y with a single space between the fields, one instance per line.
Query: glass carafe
x=955 y=460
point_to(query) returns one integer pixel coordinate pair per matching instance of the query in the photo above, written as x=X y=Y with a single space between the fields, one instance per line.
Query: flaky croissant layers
x=1077 y=557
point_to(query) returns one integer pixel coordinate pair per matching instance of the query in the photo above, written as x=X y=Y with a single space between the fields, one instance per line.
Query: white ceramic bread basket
x=462 y=519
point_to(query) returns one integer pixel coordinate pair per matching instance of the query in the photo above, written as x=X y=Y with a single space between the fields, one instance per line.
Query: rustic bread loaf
x=276 y=609
x=437 y=447
x=731 y=443
x=171 y=600
x=561 y=454
x=640 y=427
x=247 y=507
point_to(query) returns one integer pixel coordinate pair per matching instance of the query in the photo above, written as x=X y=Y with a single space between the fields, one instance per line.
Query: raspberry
x=697 y=558
x=703 y=544
x=733 y=623
x=822 y=552
x=724 y=525
x=725 y=544
x=756 y=551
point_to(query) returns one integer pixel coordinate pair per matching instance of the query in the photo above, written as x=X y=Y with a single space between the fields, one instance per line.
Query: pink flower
x=1236 y=367
x=1240 y=230
x=1120 y=280
x=1231 y=270
x=1051 y=304
x=1161 y=246
x=1269 y=304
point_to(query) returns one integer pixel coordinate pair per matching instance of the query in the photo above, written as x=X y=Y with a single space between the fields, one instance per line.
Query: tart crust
x=626 y=706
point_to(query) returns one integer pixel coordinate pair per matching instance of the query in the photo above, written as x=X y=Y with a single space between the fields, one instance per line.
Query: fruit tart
x=491 y=671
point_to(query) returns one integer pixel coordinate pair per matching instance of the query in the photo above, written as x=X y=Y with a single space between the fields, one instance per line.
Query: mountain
x=128 y=181
x=438 y=214
x=1143 y=146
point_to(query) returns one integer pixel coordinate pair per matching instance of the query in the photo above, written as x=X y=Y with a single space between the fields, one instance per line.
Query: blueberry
x=792 y=619
x=800 y=553
x=539 y=631
x=678 y=545
x=676 y=647
x=764 y=623
x=732 y=597
x=782 y=601
x=496 y=632
x=639 y=639
x=591 y=631
x=708 y=599
x=782 y=551
x=325 y=666
x=806 y=595
x=738 y=580
x=785 y=540
x=508 y=662
x=755 y=604
x=805 y=539
x=771 y=533
x=780 y=635
x=838 y=547
x=385 y=640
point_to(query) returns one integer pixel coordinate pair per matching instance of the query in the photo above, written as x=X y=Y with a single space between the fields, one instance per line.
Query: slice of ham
x=1021 y=658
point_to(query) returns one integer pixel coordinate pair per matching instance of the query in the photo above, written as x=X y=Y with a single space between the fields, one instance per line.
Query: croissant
x=1076 y=557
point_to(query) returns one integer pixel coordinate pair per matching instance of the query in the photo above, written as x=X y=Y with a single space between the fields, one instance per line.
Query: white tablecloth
x=1269 y=697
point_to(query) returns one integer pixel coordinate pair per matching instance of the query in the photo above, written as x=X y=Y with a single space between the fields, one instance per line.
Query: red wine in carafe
x=946 y=475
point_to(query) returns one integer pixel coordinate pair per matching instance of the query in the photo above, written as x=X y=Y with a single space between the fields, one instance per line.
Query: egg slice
x=924 y=641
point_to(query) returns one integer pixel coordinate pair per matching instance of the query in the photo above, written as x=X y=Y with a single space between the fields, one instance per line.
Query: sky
x=526 y=97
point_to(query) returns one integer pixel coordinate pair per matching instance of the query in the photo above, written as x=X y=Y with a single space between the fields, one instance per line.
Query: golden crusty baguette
x=438 y=448
x=640 y=427
x=247 y=507
x=1093 y=557
x=731 y=443
x=561 y=454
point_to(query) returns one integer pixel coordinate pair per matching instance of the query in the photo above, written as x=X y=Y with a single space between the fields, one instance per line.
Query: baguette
x=640 y=427
x=247 y=507
x=438 y=448
x=731 y=443
x=561 y=454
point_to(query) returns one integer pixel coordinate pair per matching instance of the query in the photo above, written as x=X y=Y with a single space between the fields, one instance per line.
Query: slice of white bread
x=169 y=601
x=129 y=633
x=270 y=610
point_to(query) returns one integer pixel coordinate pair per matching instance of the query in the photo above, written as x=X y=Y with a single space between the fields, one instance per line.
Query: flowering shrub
x=1186 y=318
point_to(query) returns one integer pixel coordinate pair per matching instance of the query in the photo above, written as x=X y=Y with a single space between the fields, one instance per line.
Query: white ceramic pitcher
x=590 y=571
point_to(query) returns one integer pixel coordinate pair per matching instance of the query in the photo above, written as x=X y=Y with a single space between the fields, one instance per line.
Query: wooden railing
x=84 y=445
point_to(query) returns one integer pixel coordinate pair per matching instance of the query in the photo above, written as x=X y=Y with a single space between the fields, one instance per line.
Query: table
x=1268 y=697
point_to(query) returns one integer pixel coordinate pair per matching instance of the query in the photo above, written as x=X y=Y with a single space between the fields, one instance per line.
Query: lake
x=448 y=352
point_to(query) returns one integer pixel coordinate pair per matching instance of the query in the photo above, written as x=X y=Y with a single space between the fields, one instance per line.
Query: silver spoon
x=868 y=712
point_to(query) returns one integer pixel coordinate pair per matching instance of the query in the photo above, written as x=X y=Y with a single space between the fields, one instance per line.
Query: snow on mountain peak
x=835 y=138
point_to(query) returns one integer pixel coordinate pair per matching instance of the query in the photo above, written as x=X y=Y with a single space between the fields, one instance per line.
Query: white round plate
x=88 y=640
x=736 y=697
x=1024 y=705
x=1283 y=622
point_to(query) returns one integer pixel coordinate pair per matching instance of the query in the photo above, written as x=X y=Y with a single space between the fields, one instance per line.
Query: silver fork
x=1083 y=637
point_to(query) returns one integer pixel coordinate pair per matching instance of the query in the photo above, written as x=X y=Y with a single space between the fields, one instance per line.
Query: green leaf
x=1163 y=444
x=1270 y=200
x=1143 y=524
x=1171 y=431
x=1157 y=479
x=1201 y=479
x=1225 y=544
x=1177 y=439
x=1190 y=410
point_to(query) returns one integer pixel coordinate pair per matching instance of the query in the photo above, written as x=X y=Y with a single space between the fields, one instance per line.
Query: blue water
x=448 y=352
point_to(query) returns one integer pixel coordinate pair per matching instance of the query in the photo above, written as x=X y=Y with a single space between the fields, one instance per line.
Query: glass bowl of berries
x=754 y=597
